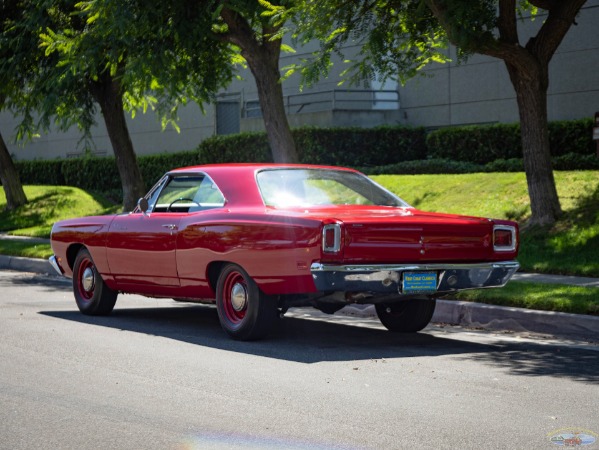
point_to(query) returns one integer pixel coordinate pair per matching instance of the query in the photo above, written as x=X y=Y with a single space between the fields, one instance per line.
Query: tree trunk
x=531 y=94
x=262 y=54
x=107 y=92
x=13 y=189
x=528 y=68
x=265 y=69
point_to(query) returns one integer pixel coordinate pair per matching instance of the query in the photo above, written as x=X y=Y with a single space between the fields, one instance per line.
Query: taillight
x=331 y=238
x=504 y=238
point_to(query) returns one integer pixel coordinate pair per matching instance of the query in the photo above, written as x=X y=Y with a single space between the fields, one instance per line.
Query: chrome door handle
x=170 y=226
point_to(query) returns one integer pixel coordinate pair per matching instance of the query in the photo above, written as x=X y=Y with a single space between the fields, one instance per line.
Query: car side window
x=187 y=193
x=207 y=196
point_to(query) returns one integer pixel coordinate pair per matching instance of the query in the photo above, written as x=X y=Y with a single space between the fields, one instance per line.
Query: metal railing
x=331 y=100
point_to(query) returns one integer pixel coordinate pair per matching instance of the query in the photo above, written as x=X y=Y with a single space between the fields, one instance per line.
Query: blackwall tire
x=244 y=311
x=406 y=316
x=92 y=295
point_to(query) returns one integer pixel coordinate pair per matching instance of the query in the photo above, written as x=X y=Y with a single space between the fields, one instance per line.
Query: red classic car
x=257 y=239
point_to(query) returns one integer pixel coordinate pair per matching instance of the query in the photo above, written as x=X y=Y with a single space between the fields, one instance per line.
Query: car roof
x=237 y=181
x=253 y=167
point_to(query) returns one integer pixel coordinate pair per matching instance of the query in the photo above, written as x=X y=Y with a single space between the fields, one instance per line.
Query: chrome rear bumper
x=389 y=278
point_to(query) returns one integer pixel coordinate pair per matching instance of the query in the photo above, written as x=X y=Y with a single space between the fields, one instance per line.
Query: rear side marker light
x=504 y=238
x=331 y=238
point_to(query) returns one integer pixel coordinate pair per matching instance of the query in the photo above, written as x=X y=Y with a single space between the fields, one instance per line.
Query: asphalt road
x=162 y=375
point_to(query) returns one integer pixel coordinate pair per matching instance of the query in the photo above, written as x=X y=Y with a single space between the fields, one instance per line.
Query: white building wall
x=146 y=133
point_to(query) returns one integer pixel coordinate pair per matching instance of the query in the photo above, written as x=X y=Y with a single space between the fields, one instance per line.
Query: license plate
x=419 y=282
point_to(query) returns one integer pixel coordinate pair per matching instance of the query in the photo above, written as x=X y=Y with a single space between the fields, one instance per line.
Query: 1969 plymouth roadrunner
x=257 y=239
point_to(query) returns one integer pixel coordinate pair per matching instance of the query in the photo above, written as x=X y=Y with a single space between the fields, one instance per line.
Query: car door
x=141 y=247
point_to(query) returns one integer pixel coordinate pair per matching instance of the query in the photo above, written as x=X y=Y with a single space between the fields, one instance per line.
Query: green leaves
x=397 y=38
x=162 y=56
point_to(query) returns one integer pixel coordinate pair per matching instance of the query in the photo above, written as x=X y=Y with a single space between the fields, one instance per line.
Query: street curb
x=467 y=314
x=21 y=264
x=498 y=318
x=494 y=317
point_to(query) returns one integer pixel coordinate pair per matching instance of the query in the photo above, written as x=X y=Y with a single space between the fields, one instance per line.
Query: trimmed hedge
x=571 y=161
x=41 y=172
x=477 y=144
x=241 y=147
x=388 y=150
x=482 y=144
x=574 y=161
x=152 y=167
x=423 y=166
x=360 y=146
x=329 y=146
x=99 y=174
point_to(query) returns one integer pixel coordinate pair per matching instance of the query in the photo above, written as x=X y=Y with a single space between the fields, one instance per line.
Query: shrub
x=242 y=147
x=91 y=173
x=571 y=161
x=477 y=144
x=571 y=136
x=483 y=144
x=505 y=165
x=152 y=167
x=360 y=146
x=428 y=166
x=574 y=161
x=329 y=146
x=41 y=172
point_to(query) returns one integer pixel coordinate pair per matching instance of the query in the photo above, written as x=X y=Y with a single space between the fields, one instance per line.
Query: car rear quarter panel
x=276 y=251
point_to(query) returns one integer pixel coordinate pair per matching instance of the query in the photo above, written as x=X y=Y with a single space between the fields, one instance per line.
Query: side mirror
x=143 y=205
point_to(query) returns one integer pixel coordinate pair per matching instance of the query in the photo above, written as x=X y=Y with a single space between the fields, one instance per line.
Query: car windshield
x=314 y=187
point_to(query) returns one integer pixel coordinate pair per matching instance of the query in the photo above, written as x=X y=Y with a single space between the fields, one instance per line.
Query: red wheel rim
x=235 y=297
x=86 y=279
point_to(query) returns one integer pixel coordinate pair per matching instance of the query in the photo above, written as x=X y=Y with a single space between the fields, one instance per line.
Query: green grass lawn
x=21 y=248
x=48 y=204
x=546 y=297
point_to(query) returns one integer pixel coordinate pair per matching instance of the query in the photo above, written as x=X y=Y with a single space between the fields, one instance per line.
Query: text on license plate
x=416 y=282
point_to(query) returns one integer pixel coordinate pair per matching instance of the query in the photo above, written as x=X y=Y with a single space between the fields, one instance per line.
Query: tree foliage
x=20 y=62
x=166 y=51
x=400 y=37
x=112 y=57
x=190 y=50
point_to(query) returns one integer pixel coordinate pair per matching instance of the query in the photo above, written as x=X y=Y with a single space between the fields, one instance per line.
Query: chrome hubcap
x=239 y=297
x=87 y=279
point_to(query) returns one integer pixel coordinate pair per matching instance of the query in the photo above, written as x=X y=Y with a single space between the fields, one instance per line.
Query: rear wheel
x=244 y=311
x=93 y=297
x=406 y=316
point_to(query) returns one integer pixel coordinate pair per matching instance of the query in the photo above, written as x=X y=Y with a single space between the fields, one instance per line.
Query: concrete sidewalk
x=467 y=314
x=557 y=279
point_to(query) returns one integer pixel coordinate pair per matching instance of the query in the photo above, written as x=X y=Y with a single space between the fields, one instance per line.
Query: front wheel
x=93 y=297
x=244 y=311
x=406 y=316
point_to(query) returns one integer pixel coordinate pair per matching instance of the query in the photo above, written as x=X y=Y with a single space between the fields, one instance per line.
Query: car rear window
x=316 y=187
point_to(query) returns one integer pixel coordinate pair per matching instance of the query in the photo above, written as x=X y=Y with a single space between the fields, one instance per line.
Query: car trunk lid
x=416 y=237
